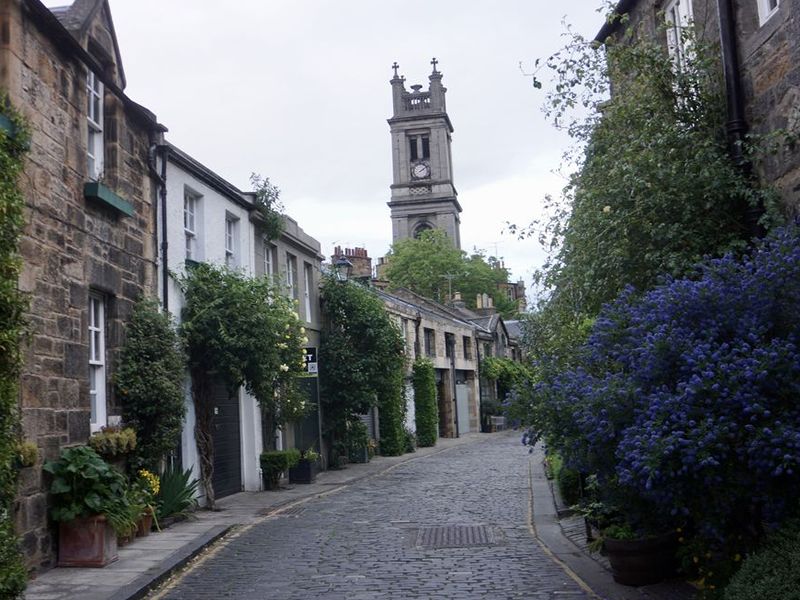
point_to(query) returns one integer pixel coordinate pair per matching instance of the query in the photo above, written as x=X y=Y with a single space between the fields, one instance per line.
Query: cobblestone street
x=451 y=525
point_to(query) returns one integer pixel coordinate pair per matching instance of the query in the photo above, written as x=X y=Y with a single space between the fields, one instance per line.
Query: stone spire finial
x=434 y=62
x=395 y=66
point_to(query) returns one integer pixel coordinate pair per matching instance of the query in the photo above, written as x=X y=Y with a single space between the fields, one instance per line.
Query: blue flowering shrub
x=687 y=403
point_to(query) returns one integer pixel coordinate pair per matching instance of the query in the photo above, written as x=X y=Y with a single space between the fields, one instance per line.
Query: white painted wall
x=212 y=208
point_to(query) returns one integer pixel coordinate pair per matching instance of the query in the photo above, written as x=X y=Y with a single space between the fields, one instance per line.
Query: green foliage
x=569 y=484
x=85 y=485
x=27 y=454
x=149 y=383
x=772 y=572
x=431 y=266
x=356 y=438
x=12 y=308
x=176 y=494
x=361 y=363
x=241 y=332
x=654 y=188
x=410 y=441
x=112 y=441
x=275 y=462
x=13 y=576
x=426 y=408
x=268 y=205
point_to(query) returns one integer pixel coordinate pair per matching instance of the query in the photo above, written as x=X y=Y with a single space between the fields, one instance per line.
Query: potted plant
x=145 y=489
x=305 y=471
x=114 y=443
x=274 y=463
x=91 y=505
x=638 y=558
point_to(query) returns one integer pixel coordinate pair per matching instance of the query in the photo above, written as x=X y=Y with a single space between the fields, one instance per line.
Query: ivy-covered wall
x=13 y=142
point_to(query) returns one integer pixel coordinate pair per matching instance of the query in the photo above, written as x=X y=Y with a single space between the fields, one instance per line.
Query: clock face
x=420 y=171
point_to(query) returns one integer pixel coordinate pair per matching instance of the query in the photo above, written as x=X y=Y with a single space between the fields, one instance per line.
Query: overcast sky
x=298 y=90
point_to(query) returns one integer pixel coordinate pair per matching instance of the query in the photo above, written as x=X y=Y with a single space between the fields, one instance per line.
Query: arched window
x=420 y=228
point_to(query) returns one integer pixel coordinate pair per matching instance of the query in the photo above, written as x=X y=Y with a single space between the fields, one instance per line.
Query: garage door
x=227 y=478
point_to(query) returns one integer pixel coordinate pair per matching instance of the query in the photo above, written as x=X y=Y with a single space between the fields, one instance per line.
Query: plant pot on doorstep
x=145 y=524
x=271 y=482
x=305 y=472
x=642 y=561
x=86 y=542
x=359 y=455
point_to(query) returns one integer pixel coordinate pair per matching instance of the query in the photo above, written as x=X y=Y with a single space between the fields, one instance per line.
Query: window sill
x=97 y=191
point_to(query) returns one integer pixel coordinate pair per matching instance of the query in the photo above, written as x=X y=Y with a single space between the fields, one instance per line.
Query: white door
x=462 y=403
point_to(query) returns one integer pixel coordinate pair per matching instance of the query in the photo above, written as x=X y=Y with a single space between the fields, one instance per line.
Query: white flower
x=284 y=368
x=606 y=209
x=302 y=331
x=282 y=346
x=304 y=340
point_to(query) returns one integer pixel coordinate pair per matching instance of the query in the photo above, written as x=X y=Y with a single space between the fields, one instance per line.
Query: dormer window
x=94 y=119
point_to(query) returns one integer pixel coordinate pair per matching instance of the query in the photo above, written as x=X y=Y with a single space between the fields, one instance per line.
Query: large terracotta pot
x=644 y=561
x=145 y=524
x=86 y=542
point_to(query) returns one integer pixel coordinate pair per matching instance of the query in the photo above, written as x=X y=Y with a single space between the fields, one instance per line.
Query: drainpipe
x=736 y=126
x=161 y=178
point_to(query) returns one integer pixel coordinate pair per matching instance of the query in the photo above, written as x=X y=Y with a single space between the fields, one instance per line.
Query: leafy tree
x=12 y=308
x=654 y=189
x=268 y=205
x=362 y=360
x=240 y=332
x=431 y=266
x=150 y=384
x=426 y=408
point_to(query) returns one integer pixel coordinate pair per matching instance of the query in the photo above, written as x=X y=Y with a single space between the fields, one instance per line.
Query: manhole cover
x=454 y=536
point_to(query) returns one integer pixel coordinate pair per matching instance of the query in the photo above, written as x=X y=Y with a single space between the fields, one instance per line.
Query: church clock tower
x=423 y=195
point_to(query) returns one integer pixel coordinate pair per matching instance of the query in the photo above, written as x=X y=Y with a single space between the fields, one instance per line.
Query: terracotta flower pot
x=643 y=561
x=86 y=542
x=145 y=524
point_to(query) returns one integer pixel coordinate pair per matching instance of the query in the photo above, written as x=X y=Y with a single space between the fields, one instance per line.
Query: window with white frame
x=94 y=119
x=97 y=362
x=308 y=280
x=269 y=259
x=678 y=15
x=231 y=240
x=291 y=275
x=767 y=8
x=190 y=204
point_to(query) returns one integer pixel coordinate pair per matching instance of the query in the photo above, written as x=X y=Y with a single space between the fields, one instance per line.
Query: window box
x=97 y=191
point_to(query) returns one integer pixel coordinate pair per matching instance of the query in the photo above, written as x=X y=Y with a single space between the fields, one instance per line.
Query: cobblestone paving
x=361 y=542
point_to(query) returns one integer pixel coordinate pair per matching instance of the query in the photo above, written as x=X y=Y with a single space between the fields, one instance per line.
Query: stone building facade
x=88 y=247
x=423 y=194
x=764 y=64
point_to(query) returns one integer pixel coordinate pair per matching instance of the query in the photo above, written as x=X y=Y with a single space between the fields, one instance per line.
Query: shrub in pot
x=91 y=505
x=305 y=471
x=274 y=463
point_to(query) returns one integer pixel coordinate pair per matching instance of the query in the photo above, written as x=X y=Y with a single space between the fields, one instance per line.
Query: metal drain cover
x=454 y=536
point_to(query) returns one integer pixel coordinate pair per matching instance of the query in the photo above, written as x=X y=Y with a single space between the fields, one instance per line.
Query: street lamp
x=342 y=267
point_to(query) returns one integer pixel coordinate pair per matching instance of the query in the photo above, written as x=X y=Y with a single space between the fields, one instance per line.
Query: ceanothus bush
x=687 y=406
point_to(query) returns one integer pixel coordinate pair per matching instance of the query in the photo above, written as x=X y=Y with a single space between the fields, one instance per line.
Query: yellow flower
x=284 y=367
x=302 y=330
x=737 y=558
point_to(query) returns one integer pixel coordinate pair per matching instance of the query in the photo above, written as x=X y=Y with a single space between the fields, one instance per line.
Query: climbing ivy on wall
x=150 y=384
x=13 y=145
x=361 y=363
x=238 y=332
x=426 y=409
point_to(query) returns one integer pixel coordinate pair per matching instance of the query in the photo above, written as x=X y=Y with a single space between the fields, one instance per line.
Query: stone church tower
x=423 y=195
